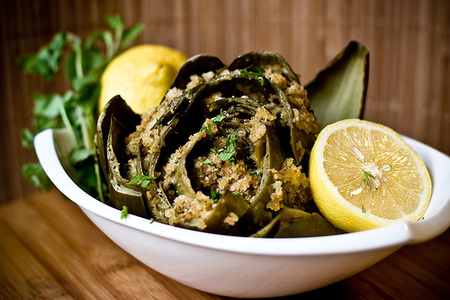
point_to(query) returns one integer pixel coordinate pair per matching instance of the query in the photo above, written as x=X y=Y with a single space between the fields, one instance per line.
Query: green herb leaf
x=76 y=110
x=238 y=194
x=255 y=173
x=130 y=34
x=142 y=180
x=367 y=176
x=47 y=61
x=215 y=195
x=81 y=154
x=251 y=74
x=124 y=212
x=207 y=130
x=36 y=174
x=207 y=161
x=230 y=143
x=27 y=138
x=219 y=118
x=226 y=155
x=363 y=209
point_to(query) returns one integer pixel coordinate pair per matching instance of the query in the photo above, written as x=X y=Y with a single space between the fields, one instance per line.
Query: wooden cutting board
x=50 y=250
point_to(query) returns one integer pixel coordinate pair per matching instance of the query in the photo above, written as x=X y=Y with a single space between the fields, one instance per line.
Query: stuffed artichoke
x=226 y=151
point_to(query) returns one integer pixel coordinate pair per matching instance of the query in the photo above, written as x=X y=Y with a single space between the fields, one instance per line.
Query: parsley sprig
x=367 y=176
x=75 y=110
x=251 y=74
x=142 y=180
x=230 y=148
x=215 y=195
x=124 y=213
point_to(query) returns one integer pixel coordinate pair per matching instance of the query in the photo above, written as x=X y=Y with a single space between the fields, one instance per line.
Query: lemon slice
x=141 y=75
x=364 y=175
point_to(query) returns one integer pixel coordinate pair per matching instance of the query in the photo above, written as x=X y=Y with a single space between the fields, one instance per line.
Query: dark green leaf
x=215 y=195
x=339 y=91
x=46 y=62
x=130 y=34
x=48 y=106
x=27 y=138
x=219 y=118
x=89 y=60
x=81 y=154
x=35 y=173
x=115 y=21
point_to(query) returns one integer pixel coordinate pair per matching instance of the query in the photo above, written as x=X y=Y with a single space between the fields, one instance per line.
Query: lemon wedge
x=141 y=75
x=364 y=175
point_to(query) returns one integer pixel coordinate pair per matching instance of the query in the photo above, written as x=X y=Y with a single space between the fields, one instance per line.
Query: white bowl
x=251 y=267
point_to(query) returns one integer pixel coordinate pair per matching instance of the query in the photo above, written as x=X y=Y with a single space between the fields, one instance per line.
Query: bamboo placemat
x=409 y=44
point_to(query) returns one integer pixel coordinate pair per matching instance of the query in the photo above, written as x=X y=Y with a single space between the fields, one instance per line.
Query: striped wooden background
x=409 y=42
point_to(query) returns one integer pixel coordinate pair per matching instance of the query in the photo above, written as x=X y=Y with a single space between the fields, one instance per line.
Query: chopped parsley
x=207 y=130
x=363 y=209
x=207 y=161
x=215 y=195
x=255 y=173
x=124 y=212
x=230 y=148
x=238 y=194
x=224 y=156
x=142 y=180
x=251 y=74
x=219 y=118
x=366 y=179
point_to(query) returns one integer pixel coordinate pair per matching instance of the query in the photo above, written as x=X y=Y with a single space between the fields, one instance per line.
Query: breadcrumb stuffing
x=259 y=121
x=208 y=171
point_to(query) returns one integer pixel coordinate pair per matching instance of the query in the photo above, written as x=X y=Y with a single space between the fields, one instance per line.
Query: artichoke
x=226 y=151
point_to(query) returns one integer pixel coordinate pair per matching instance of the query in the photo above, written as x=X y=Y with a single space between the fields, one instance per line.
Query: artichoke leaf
x=229 y=204
x=120 y=191
x=235 y=86
x=339 y=91
x=292 y=222
x=258 y=61
x=297 y=135
x=182 y=182
x=157 y=200
x=273 y=159
x=118 y=108
x=198 y=65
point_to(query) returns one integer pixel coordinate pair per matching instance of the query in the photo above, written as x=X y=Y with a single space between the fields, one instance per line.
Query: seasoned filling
x=247 y=152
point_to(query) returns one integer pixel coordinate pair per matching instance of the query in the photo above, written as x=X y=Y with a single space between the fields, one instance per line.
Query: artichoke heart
x=225 y=151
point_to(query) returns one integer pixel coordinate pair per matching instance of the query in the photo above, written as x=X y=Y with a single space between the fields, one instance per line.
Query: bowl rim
x=434 y=223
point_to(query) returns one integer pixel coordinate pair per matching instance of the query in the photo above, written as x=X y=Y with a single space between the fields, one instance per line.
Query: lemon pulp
x=364 y=175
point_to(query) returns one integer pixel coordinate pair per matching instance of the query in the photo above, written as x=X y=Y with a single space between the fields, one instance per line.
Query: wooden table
x=49 y=249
